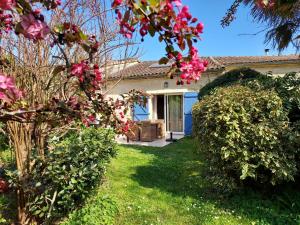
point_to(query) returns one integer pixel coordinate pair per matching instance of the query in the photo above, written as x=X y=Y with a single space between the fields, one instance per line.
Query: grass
x=164 y=186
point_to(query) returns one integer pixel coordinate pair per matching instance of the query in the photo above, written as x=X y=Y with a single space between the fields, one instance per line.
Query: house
x=173 y=103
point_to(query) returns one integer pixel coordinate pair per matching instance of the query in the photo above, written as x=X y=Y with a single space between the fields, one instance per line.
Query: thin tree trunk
x=21 y=137
x=40 y=135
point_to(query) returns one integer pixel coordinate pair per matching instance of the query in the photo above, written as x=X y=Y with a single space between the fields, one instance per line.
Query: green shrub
x=71 y=169
x=287 y=88
x=100 y=210
x=245 y=135
x=229 y=78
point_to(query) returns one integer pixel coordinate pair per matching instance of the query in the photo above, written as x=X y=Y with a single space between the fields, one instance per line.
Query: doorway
x=174 y=112
x=160 y=107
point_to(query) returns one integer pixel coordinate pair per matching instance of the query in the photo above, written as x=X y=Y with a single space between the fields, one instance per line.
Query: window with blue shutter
x=190 y=98
x=140 y=113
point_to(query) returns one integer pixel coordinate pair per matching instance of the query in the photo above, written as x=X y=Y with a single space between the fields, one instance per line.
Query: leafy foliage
x=229 y=78
x=100 y=210
x=281 y=19
x=287 y=88
x=72 y=168
x=246 y=136
x=4 y=142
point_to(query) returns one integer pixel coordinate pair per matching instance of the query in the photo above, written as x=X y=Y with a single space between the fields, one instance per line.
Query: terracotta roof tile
x=150 y=69
x=229 y=60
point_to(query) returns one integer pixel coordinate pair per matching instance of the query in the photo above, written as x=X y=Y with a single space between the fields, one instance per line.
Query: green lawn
x=165 y=186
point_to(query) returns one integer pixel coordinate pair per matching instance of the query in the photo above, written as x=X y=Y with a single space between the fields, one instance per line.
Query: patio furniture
x=160 y=128
x=134 y=133
x=148 y=131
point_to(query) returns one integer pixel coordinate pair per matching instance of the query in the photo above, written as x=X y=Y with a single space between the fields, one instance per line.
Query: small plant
x=245 y=136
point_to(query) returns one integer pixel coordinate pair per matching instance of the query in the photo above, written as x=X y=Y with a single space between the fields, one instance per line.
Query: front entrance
x=170 y=109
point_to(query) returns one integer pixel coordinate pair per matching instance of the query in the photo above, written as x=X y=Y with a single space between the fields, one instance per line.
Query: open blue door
x=140 y=113
x=190 y=98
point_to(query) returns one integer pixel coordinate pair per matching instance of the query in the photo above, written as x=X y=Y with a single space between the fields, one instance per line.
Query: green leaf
x=83 y=36
x=163 y=60
x=73 y=181
x=154 y=2
x=151 y=31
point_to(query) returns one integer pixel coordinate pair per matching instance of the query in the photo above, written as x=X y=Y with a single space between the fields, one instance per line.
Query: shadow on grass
x=177 y=168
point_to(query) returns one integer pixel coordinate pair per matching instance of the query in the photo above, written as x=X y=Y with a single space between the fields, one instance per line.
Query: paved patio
x=121 y=139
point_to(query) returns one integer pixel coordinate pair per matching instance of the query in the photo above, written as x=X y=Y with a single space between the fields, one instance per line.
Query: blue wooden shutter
x=140 y=113
x=190 y=98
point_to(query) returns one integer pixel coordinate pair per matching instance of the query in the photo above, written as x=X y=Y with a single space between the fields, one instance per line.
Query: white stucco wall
x=156 y=85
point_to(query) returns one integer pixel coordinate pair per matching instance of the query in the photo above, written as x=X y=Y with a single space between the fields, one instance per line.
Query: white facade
x=167 y=87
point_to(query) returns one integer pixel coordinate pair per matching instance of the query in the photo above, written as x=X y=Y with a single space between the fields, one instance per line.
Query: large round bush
x=245 y=136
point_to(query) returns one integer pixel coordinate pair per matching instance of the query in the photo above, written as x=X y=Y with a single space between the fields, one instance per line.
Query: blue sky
x=217 y=41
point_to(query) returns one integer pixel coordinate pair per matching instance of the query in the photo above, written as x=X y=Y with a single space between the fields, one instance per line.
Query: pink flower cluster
x=34 y=27
x=84 y=73
x=193 y=69
x=89 y=120
x=182 y=22
x=125 y=28
x=79 y=69
x=8 y=91
x=98 y=75
x=7 y=4
x=6 y=22
x=175 y=24
x=116 y=3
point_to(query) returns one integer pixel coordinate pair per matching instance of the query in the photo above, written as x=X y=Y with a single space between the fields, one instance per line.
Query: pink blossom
x=6 y=82
x=8 y=91
x=116 y=3
x=7 y=4
x=192 y=70
x=58 y=2
x=200 y=28
x=4 y=97
x=79 y=68
x=177 y=3
x=184 y=13
x=98 y=74
x=34 y=28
